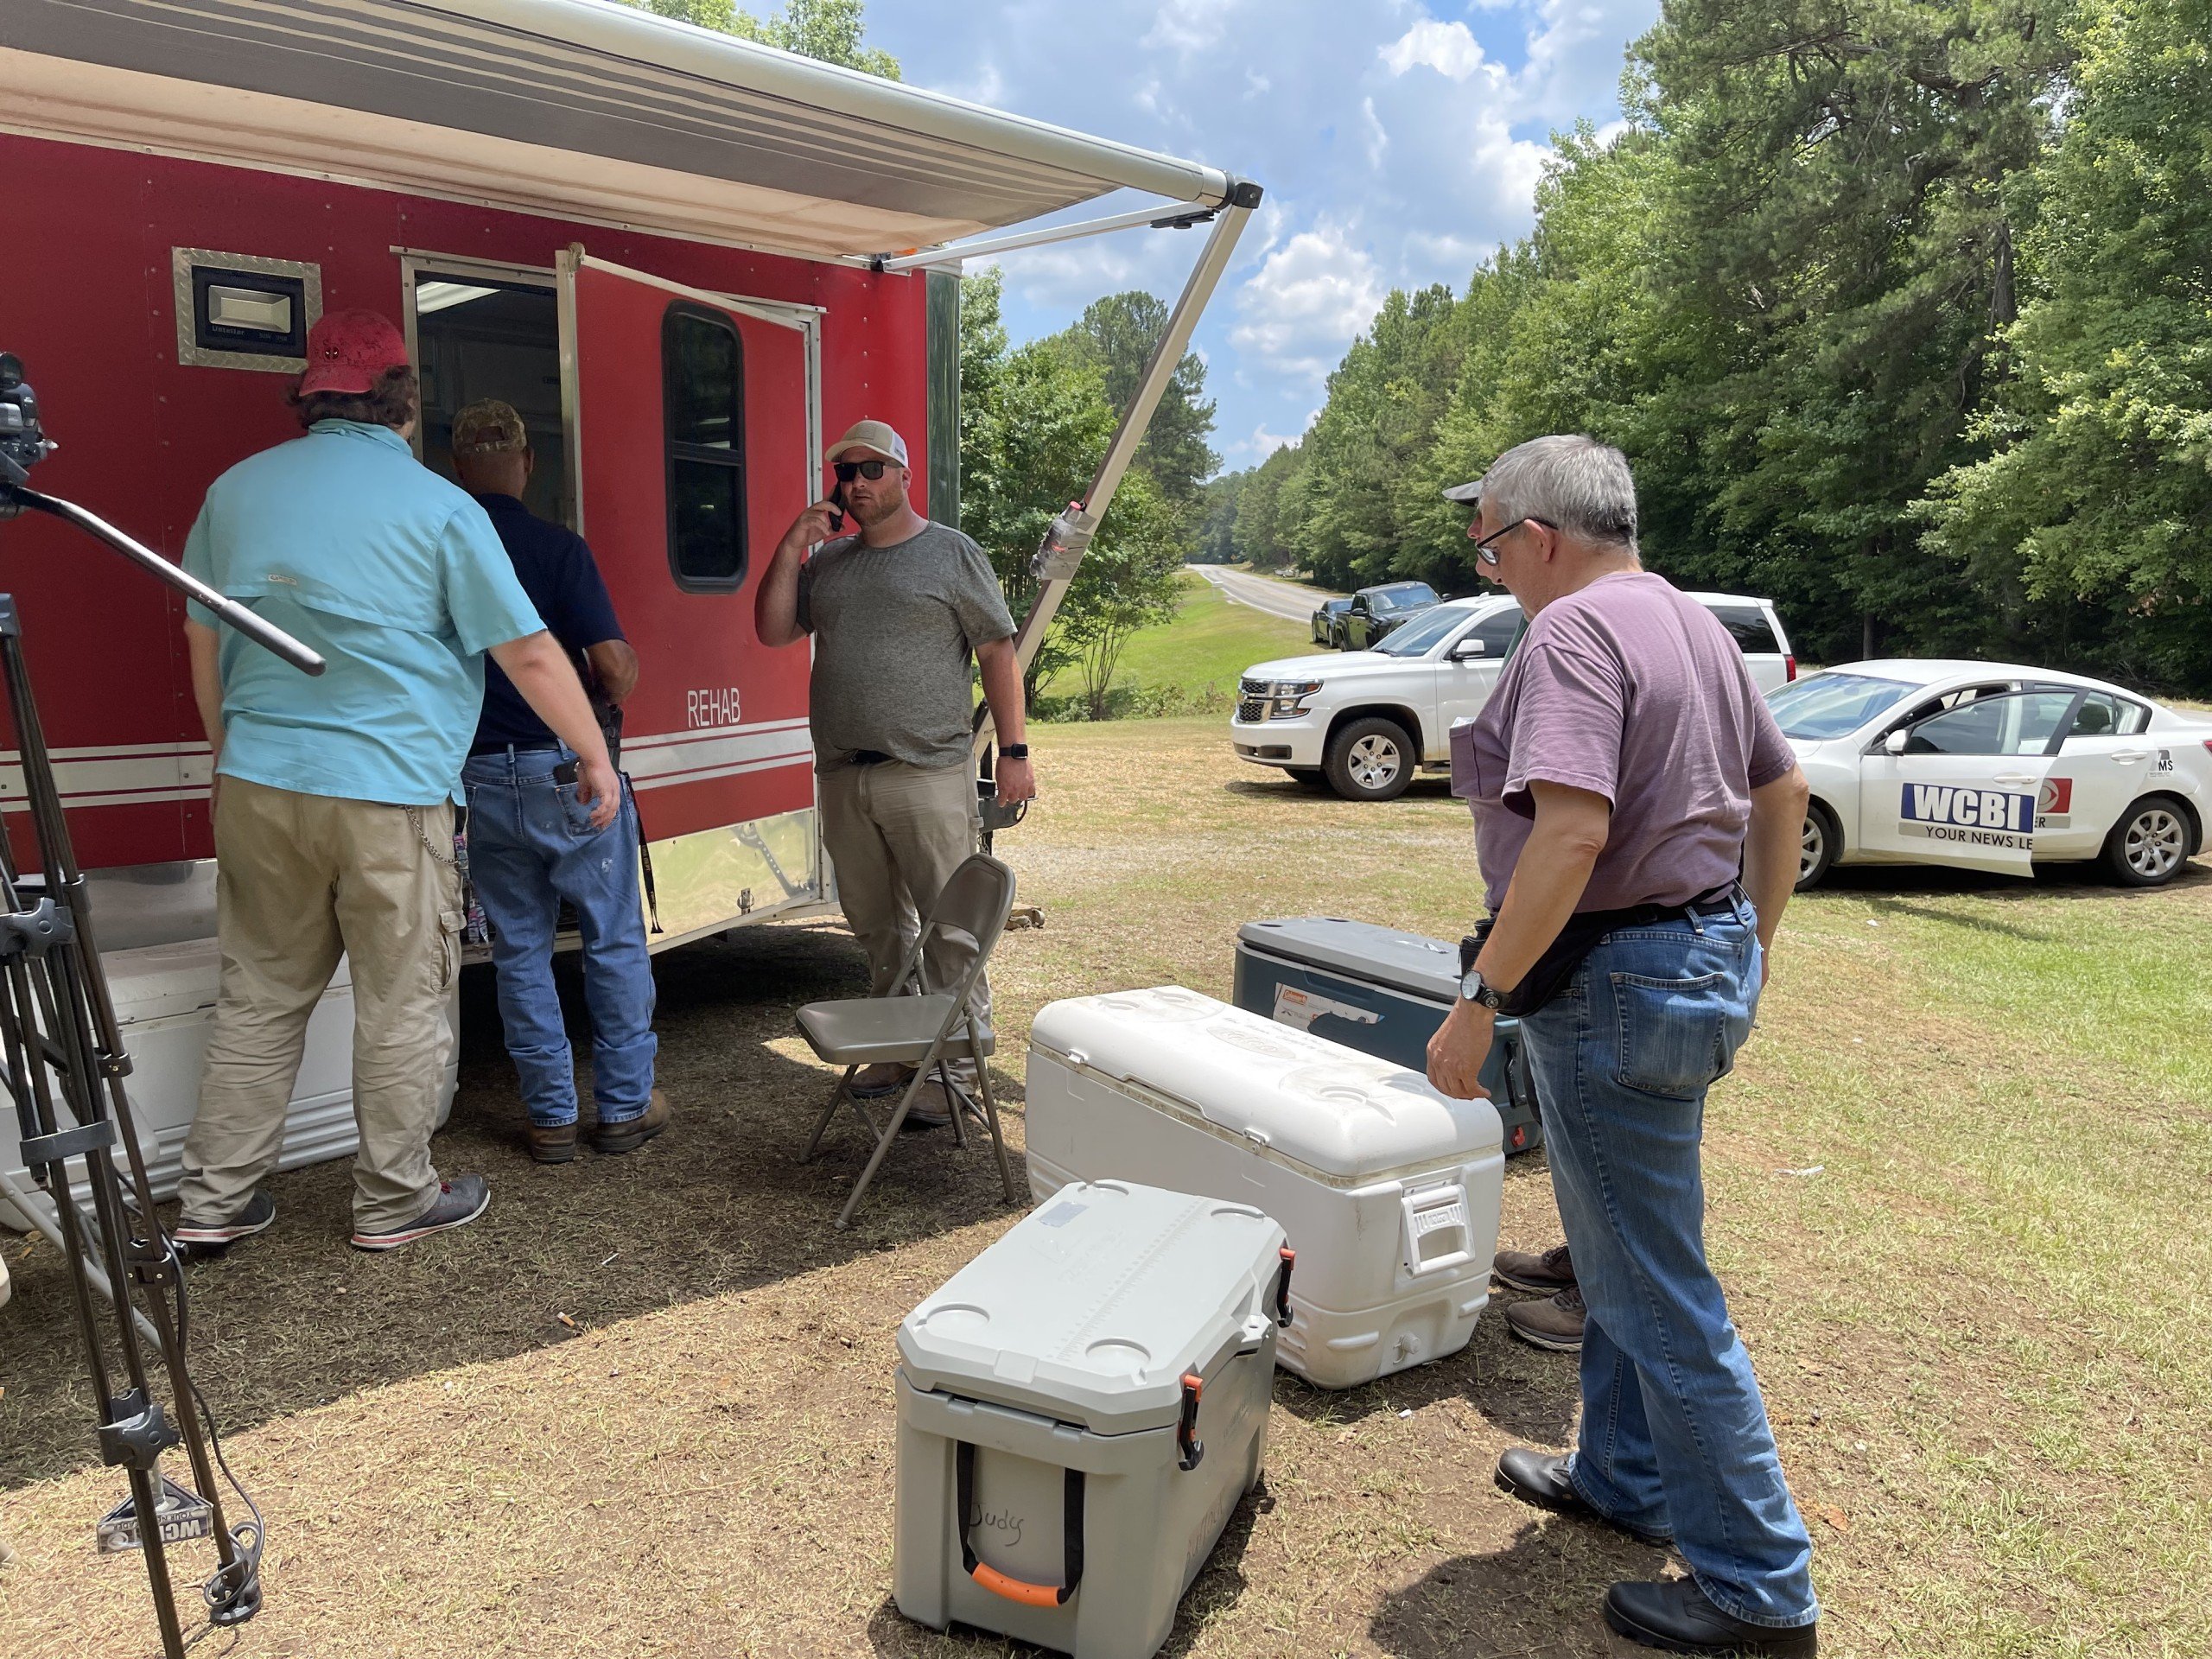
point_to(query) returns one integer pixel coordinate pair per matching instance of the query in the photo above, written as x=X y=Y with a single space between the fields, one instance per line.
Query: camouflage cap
x=488 y=427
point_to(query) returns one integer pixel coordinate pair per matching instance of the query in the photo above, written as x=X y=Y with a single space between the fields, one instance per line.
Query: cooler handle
x=1001 y=1584
x=1190 y=1450
x=1282 y=1285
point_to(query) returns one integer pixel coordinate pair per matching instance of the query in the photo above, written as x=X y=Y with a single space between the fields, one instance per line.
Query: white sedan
x=1989 y=766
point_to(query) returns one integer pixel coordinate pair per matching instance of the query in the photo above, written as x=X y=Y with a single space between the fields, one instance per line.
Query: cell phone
x=837 y=510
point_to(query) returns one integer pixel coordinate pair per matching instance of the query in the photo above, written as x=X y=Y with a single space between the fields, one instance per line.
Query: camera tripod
x=62 y=1062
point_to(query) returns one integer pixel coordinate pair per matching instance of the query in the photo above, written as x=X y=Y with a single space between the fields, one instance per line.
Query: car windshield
x=1420 y=635
x=1830 y=705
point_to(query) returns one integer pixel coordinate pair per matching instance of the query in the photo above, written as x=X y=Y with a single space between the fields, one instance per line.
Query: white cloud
x=1449 y=49
x=1261 y=444
x=1400 y=142
x=1189 y=26
x=1378 y=137
x=1306 y=301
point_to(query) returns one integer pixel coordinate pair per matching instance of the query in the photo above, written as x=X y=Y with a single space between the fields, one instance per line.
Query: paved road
x=1284 y=598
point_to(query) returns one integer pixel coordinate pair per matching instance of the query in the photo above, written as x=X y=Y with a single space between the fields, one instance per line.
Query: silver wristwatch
x=1473 y=989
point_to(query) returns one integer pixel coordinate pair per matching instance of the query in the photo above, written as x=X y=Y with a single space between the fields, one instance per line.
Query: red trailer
x=684 y=257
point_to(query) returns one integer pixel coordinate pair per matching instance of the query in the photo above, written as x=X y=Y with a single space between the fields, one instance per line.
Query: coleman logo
x=1979 y=817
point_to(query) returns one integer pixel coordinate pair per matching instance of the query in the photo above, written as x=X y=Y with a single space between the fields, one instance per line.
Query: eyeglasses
x=1485 y=546
x=847 y=471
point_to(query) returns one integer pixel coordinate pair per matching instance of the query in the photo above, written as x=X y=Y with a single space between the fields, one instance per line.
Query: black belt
x=501 y=748
x=869 y=757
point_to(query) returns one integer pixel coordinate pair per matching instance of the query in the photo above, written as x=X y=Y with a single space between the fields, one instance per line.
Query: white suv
x=1366 y=720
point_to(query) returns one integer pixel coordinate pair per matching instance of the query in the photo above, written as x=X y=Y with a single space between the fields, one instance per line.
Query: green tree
x=1117 y=333
x=1259 y=537
x=1834 y=257
x=1218 y=525
x=2091 y=518
x=830 y=31
x=1127 y=581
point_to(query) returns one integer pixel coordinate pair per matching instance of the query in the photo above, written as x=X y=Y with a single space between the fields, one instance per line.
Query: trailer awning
x=575 y=108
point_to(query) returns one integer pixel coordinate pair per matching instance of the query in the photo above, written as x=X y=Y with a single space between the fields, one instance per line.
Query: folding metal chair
x=913 y=1025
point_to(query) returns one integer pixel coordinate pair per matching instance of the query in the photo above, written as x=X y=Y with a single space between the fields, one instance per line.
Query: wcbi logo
x=1979 y=817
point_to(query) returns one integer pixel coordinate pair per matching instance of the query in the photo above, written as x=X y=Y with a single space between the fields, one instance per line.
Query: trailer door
x=692 y=428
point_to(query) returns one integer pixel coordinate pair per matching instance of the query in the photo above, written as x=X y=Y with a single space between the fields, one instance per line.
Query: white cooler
x=1079 y=1409
x=164 y=995
x=1388 y=1190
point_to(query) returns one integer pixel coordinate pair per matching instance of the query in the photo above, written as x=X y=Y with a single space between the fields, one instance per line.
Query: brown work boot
x=932 y=1107
x=1543 y=1275
x=1554 y=1323
x=554 y=1143
x=628 y=1133
x=884 y=1078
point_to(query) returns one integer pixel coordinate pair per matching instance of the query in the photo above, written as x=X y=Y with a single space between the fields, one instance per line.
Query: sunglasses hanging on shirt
x=847 y=471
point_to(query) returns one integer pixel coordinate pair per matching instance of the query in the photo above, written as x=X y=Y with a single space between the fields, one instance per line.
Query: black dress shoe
x=1540 y=1477
x=1675 y=1617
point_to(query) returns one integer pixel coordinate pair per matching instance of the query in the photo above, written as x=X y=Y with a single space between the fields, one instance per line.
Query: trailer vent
x=240 y=311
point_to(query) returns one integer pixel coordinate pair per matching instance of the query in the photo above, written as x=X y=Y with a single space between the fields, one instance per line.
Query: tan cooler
x=1080 y=1408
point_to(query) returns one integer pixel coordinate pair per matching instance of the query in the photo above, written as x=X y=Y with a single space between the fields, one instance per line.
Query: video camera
x=23 y=442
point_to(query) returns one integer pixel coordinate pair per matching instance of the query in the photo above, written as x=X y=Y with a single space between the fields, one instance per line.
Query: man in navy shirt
x=530 y=844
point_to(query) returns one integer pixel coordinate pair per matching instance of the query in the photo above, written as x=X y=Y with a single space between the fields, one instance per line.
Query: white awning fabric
x=575 y=108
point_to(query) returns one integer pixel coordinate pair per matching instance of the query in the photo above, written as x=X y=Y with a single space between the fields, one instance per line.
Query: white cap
x=875 y=436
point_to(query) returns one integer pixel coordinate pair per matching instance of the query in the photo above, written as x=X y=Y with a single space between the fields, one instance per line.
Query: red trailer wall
x=87 y=301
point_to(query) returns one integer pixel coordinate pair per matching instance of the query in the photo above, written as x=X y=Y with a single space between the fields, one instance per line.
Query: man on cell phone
x=897 y=613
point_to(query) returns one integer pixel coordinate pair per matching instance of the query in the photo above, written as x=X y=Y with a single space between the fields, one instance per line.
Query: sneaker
x=1544 y=1274
x=553 y=1143
x=874 y=1082
x=206 y=1237
x=628 y=1133
x=460 y=1201
x=1555 y=1323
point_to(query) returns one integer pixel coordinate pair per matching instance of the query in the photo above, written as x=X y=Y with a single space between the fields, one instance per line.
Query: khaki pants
x=300 y=880
x=896 y=832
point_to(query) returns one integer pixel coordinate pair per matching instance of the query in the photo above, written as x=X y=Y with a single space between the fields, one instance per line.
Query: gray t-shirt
x=1632 y=691
x=893 y=630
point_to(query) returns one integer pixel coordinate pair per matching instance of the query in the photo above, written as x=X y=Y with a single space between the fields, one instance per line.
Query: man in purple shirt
x=1637 y=817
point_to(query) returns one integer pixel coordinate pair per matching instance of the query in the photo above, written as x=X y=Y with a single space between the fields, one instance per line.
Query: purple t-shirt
x=1633 y=692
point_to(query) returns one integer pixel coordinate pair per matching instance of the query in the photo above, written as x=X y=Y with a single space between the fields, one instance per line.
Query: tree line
x=1902 y=311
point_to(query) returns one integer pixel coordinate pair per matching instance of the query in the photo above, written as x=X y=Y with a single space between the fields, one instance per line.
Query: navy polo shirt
x=556 y=570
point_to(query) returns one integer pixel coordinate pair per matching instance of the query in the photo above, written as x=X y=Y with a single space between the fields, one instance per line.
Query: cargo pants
x=301 y=879
x=896 y=832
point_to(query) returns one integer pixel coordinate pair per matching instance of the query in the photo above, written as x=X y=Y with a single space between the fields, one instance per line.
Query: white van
x=1365 y=721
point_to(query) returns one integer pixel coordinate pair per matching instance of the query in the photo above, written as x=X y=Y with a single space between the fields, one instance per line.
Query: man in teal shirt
x=334 y=796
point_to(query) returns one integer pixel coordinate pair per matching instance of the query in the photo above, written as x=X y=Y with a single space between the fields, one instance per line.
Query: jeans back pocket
x=1677 y=1036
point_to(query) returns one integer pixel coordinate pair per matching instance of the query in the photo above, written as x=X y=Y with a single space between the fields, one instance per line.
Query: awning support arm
x=1159 y=218
x=1069 y=538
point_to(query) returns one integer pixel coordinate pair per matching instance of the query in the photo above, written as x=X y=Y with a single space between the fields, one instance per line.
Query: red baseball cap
x=349 y=352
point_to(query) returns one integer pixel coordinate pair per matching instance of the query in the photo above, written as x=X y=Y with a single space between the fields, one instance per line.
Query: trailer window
x=702 y=372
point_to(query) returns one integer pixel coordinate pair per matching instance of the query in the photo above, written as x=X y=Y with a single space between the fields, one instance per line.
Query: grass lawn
x=1957 y=1190
x=1208 y=644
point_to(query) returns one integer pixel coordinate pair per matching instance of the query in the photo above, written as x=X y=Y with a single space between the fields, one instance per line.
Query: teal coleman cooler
x=1080 y=1408
x=1381 y=992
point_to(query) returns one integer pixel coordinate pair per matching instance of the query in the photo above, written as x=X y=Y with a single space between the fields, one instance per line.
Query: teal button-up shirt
x=351 y=545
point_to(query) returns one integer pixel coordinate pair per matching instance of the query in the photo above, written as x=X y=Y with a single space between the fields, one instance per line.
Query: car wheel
x=2149 y=845
x=1821 y=841
x=1370 y=760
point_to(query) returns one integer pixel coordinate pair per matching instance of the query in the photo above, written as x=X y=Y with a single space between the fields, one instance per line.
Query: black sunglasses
x=1485 y=549
x=847 y=471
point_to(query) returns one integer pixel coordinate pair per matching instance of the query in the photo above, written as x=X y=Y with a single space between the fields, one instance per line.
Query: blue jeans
x=1673 y=1436
x=530 y=845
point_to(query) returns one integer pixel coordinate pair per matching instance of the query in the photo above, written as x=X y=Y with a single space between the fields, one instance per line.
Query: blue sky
x=1398 y=142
